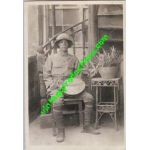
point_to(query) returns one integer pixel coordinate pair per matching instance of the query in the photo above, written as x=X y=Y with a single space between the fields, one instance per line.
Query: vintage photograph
x=74 y=75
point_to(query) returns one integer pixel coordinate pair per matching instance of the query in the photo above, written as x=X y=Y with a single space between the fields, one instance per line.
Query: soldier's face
x=63 y=45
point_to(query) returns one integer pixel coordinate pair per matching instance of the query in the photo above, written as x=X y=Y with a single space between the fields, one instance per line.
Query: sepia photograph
x=74 y=58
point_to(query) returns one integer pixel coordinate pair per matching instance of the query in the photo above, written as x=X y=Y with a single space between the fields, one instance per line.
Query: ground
x=109 y=139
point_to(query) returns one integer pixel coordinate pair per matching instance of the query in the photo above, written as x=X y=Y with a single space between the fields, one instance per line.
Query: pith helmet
x=64 y=36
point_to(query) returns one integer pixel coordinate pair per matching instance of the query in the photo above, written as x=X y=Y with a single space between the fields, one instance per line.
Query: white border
x=72 y=2
x=27 y=144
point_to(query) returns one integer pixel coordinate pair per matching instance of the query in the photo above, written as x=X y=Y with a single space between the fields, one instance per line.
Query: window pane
x=58 y=29
x=71 y=17
x=58 y=14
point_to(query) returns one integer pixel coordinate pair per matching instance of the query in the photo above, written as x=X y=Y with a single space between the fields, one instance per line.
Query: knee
x=57 y=105
x=88 y=98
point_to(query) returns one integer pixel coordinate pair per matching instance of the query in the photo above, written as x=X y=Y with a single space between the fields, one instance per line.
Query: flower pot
x=109 y=72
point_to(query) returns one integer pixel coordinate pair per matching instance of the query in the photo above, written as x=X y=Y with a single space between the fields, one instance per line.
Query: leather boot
x=91 y=130
x=87 y=120
x=60 y=135
x=58 y=116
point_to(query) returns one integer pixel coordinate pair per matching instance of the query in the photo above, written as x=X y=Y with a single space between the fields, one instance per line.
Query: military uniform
x=56 y=69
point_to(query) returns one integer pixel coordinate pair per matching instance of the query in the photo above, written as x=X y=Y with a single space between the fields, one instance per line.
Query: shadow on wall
x=34 y=94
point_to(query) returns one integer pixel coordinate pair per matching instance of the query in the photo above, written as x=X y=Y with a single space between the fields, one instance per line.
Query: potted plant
x=106 y=63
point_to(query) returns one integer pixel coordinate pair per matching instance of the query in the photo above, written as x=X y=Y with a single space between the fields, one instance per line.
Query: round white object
x=75 y=87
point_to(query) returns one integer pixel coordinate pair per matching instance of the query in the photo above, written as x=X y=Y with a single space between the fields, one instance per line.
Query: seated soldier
x=56 y=69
